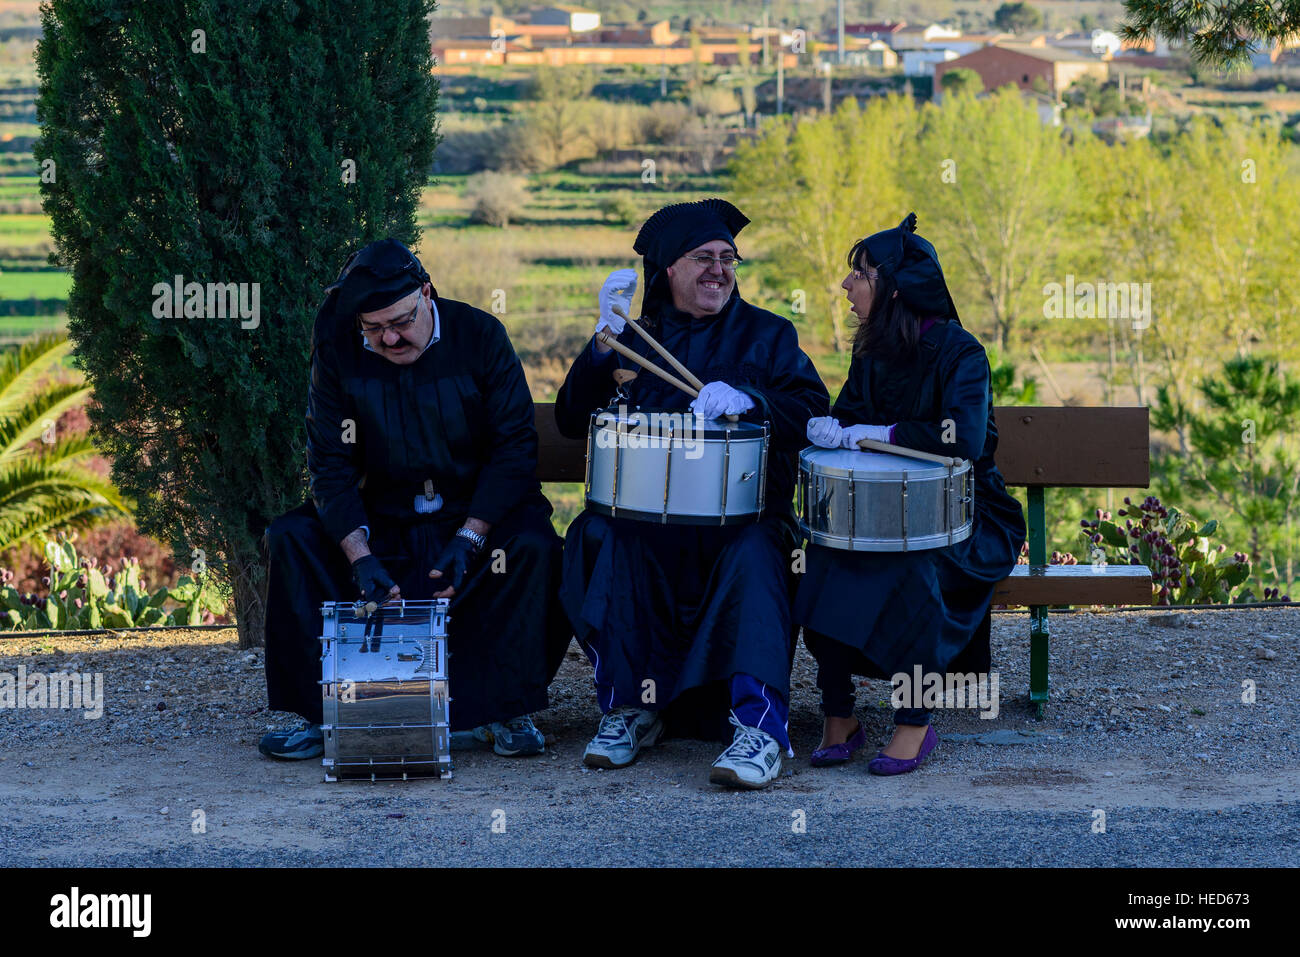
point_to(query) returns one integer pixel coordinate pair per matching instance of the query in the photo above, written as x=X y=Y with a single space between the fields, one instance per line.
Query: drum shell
x=386 y=698
x=874 y=502
x=714 y=475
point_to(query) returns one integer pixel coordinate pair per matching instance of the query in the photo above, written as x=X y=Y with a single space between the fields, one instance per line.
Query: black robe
x=461 y=416
x=689 y=606
x=900 y=609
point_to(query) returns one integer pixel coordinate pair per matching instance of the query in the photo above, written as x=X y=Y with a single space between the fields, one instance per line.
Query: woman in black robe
x=920 y=381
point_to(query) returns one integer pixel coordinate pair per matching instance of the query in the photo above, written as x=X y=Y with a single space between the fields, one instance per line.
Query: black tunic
x=688 y=605
x=460 y=416
x=906 y=608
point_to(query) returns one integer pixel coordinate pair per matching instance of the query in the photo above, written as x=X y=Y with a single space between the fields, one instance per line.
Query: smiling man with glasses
x=700 y=614
x=422 y=459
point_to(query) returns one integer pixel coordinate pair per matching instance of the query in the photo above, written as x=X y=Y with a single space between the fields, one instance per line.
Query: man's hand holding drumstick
x=712 y=400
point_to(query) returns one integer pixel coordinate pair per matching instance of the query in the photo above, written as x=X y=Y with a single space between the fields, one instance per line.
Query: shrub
x=498 y=198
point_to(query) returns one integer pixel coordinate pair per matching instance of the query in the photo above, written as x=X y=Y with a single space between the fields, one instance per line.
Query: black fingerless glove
x=373 y=580
x=455 y=562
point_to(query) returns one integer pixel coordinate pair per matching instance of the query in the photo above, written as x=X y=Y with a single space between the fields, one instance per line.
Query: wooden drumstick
x=871 y=445
x=682 y=371
x=646 y=364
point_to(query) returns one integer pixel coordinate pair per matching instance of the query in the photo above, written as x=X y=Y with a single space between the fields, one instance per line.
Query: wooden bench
x=1039 y=447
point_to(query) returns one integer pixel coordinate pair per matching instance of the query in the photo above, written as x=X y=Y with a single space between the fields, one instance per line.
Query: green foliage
x=1018 y=17
x=1002 y=382
x=1220 y=35
x=82 y=596
x=1241 y=449
x=961 y=80
x=1186 y=568
x=49 y=487
x=225 y=163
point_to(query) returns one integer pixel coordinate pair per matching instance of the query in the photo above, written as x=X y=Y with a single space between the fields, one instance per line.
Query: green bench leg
x=1036 y=522
x=1038 y=660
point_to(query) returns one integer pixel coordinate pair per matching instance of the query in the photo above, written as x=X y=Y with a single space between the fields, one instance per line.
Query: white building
x=921 y=62
x=577 y=19
x=917 y=38
x=1102 y=43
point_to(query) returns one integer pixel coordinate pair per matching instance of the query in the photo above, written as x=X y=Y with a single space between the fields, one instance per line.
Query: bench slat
x=1075 y=585
x=1037 y=445
x=1074 y=447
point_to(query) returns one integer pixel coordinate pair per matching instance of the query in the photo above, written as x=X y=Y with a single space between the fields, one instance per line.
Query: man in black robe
x=692 y=616
x=422 y=454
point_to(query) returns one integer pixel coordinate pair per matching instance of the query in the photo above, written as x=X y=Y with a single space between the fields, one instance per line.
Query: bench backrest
x=1053 y=446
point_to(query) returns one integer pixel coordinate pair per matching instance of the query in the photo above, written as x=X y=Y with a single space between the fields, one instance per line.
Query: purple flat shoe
x=884 y=764
x=839 y=753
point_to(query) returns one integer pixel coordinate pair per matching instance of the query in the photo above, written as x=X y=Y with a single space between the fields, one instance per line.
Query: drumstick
x=871 y=445
x=682 y=371
x=646 y=364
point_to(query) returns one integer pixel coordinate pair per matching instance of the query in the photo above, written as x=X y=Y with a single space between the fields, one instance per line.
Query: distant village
x=1044 y=64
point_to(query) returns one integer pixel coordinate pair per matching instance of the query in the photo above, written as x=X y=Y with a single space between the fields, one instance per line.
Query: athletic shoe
x=622 y=734
x=515 y=738
x=753 y=760
x=294 y=744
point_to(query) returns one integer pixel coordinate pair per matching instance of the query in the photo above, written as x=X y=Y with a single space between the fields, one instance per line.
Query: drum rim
x=720 y=428
x=656 y=518
x=920 y=543
x=923 y=470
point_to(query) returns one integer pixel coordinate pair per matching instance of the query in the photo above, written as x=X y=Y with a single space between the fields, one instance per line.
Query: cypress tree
x=244 y=146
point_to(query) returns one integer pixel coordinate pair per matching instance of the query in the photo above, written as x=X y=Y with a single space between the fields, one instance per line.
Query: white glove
x=853 y=434
x=825 y=432
x=718 y=398
x=618 y=290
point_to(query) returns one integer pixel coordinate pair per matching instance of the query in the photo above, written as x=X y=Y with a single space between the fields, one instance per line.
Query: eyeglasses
x=726 y=261
x=397 y=325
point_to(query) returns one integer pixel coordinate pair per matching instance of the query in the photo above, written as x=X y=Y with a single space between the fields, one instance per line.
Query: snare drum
x=675 y=468
x=876 y=502
x=384 y=688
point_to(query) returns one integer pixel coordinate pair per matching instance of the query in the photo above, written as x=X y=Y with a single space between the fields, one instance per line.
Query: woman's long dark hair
x=891 y=330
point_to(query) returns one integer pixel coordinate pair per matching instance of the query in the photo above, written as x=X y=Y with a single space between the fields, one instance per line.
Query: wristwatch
x=475 y=539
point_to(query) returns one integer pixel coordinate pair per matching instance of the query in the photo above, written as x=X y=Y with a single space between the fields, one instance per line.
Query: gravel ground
x=1146 y=724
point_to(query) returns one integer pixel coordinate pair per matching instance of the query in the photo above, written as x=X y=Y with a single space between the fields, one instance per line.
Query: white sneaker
x=753 y=760
x=622 y=734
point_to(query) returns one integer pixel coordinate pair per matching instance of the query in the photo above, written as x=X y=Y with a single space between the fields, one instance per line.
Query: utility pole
x=839 y=32
x=780 y=79
x=826 y=91
x=767 y=58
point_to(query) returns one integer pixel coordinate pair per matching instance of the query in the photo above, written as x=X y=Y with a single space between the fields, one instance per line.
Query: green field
x=35 y=285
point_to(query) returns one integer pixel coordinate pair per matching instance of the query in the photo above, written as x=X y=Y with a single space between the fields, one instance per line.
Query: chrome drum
x=876 y=502
x=384 y=690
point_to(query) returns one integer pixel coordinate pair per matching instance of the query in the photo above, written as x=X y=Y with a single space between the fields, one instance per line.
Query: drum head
x=655 y=421
x=840 y=462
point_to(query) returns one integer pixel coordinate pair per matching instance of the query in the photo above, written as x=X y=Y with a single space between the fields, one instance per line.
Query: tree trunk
x=249 y=586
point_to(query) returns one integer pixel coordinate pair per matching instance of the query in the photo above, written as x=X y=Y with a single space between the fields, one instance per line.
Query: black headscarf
x=375 y=276
x=913 y=265
x=676 y=230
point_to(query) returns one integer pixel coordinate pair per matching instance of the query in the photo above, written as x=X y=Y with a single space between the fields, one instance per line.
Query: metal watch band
x=475 y=539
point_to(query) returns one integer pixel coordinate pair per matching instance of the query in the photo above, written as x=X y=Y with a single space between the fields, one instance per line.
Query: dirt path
x=1147 y=725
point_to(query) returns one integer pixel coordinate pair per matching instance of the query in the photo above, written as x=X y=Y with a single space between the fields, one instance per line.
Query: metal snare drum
x=876 y=502
x=384 y=690
x=675 y=468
